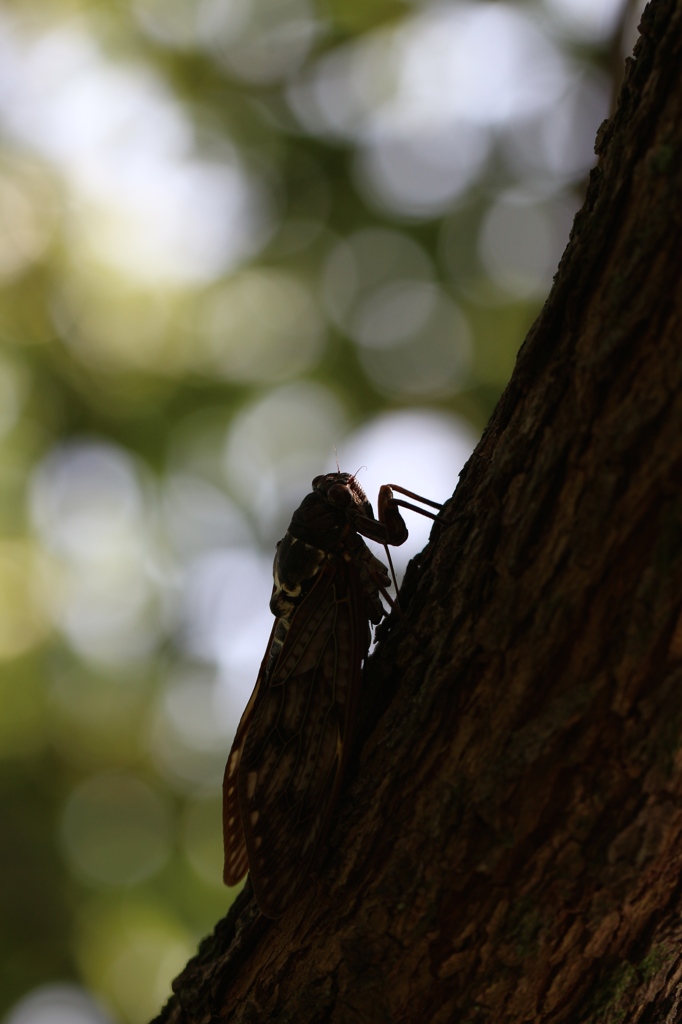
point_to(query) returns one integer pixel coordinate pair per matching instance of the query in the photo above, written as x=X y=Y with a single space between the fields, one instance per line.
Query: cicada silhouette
x=287 y=761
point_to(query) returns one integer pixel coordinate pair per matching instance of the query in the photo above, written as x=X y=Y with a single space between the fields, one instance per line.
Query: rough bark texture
x=509 y=845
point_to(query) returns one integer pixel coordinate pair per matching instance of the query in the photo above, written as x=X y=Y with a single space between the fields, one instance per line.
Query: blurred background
x=235 y=235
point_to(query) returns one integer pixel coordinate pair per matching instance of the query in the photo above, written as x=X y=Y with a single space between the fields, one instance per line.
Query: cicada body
x=287 y=761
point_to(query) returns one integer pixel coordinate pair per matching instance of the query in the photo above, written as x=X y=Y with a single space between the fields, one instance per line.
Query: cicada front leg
x=390 y=517
x=389 y=527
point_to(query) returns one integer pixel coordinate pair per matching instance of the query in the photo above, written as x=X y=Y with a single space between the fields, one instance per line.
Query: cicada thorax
x=286 y=765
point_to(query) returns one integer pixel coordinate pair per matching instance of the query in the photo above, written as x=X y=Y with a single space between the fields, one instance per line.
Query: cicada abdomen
x=286 y=765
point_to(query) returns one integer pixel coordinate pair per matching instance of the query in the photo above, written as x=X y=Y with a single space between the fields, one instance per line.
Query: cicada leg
x=394 y=529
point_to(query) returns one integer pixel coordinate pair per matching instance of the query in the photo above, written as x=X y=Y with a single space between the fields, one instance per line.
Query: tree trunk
x=509 y=844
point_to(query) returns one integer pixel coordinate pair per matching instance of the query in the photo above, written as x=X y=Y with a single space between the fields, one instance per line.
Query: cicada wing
x=234 y=843
x=297 y=742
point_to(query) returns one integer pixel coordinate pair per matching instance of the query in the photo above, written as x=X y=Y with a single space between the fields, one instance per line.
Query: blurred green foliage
x=232 y=234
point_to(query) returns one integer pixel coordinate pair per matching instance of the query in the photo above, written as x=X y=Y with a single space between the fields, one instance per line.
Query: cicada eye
x=340 y=494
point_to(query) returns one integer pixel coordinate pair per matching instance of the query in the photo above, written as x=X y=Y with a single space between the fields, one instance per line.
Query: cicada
x=287 y=761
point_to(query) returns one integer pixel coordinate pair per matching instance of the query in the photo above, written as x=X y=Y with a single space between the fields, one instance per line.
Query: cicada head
x=342 y=490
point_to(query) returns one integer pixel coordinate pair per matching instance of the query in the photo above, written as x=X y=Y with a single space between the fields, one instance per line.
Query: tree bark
x=509 y=844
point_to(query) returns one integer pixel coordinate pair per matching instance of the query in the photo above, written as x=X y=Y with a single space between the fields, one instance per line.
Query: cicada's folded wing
x=236 y=861
x=290 y=760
